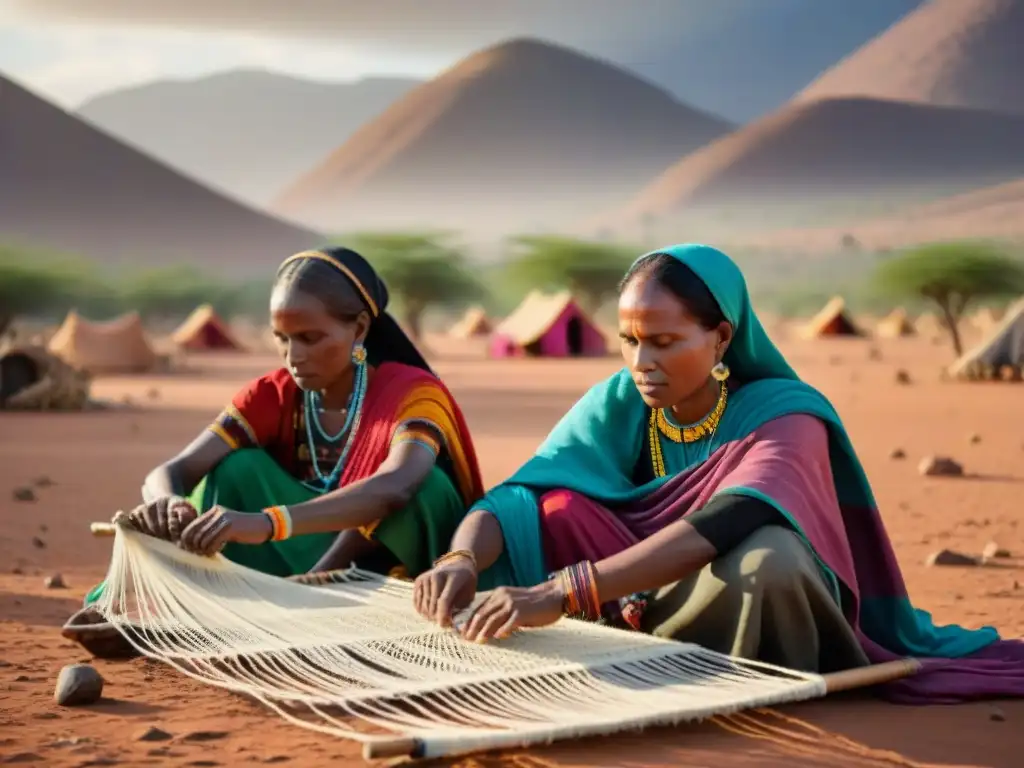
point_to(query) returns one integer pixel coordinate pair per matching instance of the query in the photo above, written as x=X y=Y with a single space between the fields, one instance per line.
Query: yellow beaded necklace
x=659 y=423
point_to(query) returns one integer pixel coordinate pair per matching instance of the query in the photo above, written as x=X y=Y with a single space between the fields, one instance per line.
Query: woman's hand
x=507 y=609
x=208 y=533
x=447 y=588
x=164 y=518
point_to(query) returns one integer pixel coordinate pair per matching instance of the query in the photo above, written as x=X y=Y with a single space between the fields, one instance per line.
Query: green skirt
x=249 y=480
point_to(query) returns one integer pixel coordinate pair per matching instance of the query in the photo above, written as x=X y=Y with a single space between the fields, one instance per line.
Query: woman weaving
x=705 y=493
x=356 y=435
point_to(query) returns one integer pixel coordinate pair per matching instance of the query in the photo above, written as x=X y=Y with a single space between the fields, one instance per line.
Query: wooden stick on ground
x=848 y=679
x=411 y=747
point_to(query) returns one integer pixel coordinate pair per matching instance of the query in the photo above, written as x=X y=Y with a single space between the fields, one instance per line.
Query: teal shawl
x=594 y=448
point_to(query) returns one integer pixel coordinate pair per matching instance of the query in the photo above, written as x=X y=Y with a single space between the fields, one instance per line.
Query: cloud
x=71 y=63
x=418 y=26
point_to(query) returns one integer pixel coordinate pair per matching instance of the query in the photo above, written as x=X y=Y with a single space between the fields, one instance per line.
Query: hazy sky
x=70 y=49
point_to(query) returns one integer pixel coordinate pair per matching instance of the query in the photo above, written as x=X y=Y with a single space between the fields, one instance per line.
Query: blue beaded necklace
x=351 y=426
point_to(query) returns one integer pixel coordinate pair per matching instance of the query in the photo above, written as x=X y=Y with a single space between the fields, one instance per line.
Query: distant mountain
x=810 y=160
x=989 y=213
x=961 y=53
x=523 y=135
x=65 y=185
x=249 y=133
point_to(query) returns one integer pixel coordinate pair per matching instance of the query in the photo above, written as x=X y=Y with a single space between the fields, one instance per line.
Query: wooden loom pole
x=848 y=679
x=412 y=747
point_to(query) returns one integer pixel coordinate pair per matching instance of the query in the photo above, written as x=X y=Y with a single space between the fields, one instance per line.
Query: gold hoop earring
x=720 y=372
x=359 y=354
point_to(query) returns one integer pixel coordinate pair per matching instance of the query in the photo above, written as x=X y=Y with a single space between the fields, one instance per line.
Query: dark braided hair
x=324 y=282
x=682 y=282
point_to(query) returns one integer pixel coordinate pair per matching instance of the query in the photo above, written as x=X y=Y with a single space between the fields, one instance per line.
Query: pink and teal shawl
x=594 y=448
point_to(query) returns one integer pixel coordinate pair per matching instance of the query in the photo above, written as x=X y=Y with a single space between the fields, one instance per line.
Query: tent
x=895 y=324
x=548 y=325
x=1000 y=355
x=114 y=346
x=204 y=330
x=473 y=323
x=832 y=320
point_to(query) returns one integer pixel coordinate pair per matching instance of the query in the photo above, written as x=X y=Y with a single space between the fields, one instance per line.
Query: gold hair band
x=341 y=268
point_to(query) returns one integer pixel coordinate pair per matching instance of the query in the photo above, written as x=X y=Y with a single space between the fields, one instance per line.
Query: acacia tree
x=32 y=282
x=423 y=270
x=590 y=270
x=952 y=275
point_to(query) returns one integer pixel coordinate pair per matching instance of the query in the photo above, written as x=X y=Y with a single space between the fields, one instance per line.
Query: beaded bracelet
x=579 y=585
x=456 y=555
x=280 y=521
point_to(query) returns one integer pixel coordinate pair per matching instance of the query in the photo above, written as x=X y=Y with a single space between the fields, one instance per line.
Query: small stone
x=1016 y=584
x=17 y=570
x=44 y=481
x=874 y=353
x=205 y=735
x=55 y=582
x=897 y=453
x=22 y=679
x=939 y=466
x=153 y=734
x=997 y=715
x=127 y=400
x=277 y=759
x=950 y=557
x=78 y=685
x=974 y=439
x=153 y=394
x=209 y=763
x=38 y=543
x=992 y=550
x=74 y=741
x=902 y=377
x=23 y=494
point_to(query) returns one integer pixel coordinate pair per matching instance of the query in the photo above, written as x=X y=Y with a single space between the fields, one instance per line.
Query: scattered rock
x=974 y=439
x=203 y=763
x=78 y=685
x=939 y=466
x=23 y=494
x=950 y=557
x=46 y=716
x=43 y=528
x=992 y=550
x=38 y=543
x=74 y=741
x=1016 y=584
x=874 y=353
x=55 y=582
x=997 y=715
x=43 y=481
x=277 y=759
x=153 y=734
x=127 y=400
x=22 y=679
x=897 y=453
x=17 y=570
x=902 y=377
x=204 y=735
x=153 y=394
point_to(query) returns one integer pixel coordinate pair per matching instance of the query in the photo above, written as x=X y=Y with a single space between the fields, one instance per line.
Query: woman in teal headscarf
x=705 y=493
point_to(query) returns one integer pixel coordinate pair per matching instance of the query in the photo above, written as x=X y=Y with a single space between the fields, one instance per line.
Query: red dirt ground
x=97 y=462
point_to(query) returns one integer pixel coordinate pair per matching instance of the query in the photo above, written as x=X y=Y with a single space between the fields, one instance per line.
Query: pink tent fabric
x=548 y=326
